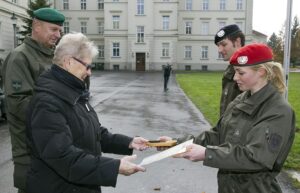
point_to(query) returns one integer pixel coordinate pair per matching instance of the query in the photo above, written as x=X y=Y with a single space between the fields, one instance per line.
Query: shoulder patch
x=274 y=142
x=16 y=85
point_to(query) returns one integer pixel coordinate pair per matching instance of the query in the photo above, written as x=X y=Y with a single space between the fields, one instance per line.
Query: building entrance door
x=140 y=61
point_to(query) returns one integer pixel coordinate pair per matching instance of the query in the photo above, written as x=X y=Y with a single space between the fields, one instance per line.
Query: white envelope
x=167 y=153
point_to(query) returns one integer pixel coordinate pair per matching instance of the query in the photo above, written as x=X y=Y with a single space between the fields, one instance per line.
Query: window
x=140 y=7
x=188 y=27
x=188 y=52
x=204 y=52
x=83 y=4
x=100 y=4
x=66 y=27
x=65 y=4
x=205 y=5
x=101 y=51
x=14 y=1
x=83 y=27
x=205 y=28
x=165 y=50
x=116 y=49
x=140 y=33
x=166 y=22
x=239 y=4
x=100 y=27
x=222 y=4
x=222 y=24
x=116 y=21
x=188 y=4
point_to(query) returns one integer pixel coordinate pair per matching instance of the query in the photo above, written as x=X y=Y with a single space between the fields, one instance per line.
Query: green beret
x=49 y=15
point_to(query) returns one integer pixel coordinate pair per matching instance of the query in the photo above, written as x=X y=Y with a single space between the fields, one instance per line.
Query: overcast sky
x=269 y=15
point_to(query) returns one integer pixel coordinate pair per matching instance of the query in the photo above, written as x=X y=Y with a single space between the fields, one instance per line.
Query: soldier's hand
x=193 y=152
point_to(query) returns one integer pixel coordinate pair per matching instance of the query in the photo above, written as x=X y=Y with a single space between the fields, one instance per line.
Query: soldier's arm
x=19 y=82
x=266 y=141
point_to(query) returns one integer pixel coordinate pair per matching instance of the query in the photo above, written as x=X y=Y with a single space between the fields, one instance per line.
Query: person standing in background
x=167 y=72
x=21 y=69
x=229 y=39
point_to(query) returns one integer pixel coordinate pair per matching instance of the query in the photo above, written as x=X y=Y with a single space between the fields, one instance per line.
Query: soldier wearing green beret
x=20 y=71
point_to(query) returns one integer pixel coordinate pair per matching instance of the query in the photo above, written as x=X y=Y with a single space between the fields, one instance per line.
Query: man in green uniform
x=229 y=39
x=21 y=69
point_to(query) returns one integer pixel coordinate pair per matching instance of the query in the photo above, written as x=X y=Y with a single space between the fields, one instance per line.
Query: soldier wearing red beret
x=254 y=136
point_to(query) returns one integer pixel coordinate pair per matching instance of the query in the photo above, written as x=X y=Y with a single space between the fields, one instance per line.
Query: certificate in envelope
x=167 y=153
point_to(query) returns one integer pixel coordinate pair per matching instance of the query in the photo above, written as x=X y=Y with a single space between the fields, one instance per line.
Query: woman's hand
x=138 y=143
x=163 y=138
x=127 y=167
x=193 y=152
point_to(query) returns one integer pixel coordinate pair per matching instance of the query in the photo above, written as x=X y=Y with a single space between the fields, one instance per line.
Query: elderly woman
x=253 y=138
x=65 y=136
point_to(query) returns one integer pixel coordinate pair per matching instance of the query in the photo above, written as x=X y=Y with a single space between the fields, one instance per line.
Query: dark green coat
x=250 y=142
x=230 y=89
x=20 y=71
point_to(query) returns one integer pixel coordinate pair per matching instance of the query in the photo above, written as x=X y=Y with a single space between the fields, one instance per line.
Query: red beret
x=252 y=54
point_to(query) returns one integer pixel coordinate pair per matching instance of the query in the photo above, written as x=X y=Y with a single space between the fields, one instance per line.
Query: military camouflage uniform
x=21 y=69
x=229 y=89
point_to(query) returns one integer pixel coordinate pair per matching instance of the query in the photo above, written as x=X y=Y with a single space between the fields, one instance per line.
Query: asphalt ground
x=135 y=104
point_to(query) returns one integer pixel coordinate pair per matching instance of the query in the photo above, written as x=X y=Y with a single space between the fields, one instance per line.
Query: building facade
x=12 y=13
x=143 y=35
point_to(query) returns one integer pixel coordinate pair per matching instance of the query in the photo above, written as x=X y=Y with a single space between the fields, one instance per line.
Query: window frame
x=83 y=4
x=116 y=49
x=101 y=27
x=65 y=4
x=100 y=51
x=140 y=34
x=140 y=6
x=222 y=4
x=100 y=4
x=165 y=49
x=83 y=27
x=188 y=5
x=188 y=52
x=66 y=27
x=205 y=28
x=205 y=5
x=239 y=4
x=116 y=21
x=166 y=22
x=204 y=52
x=188 y=28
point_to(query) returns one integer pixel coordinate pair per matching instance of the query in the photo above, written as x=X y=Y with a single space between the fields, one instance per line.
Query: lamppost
x=14 y=21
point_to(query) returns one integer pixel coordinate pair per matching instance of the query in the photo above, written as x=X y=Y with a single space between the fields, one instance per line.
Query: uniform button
x=210 y=157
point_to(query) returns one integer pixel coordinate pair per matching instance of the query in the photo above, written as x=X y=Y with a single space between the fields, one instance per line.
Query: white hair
x=74 y=44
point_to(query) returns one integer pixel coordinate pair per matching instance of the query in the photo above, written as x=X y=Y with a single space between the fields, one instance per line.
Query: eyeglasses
x=88 y=66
